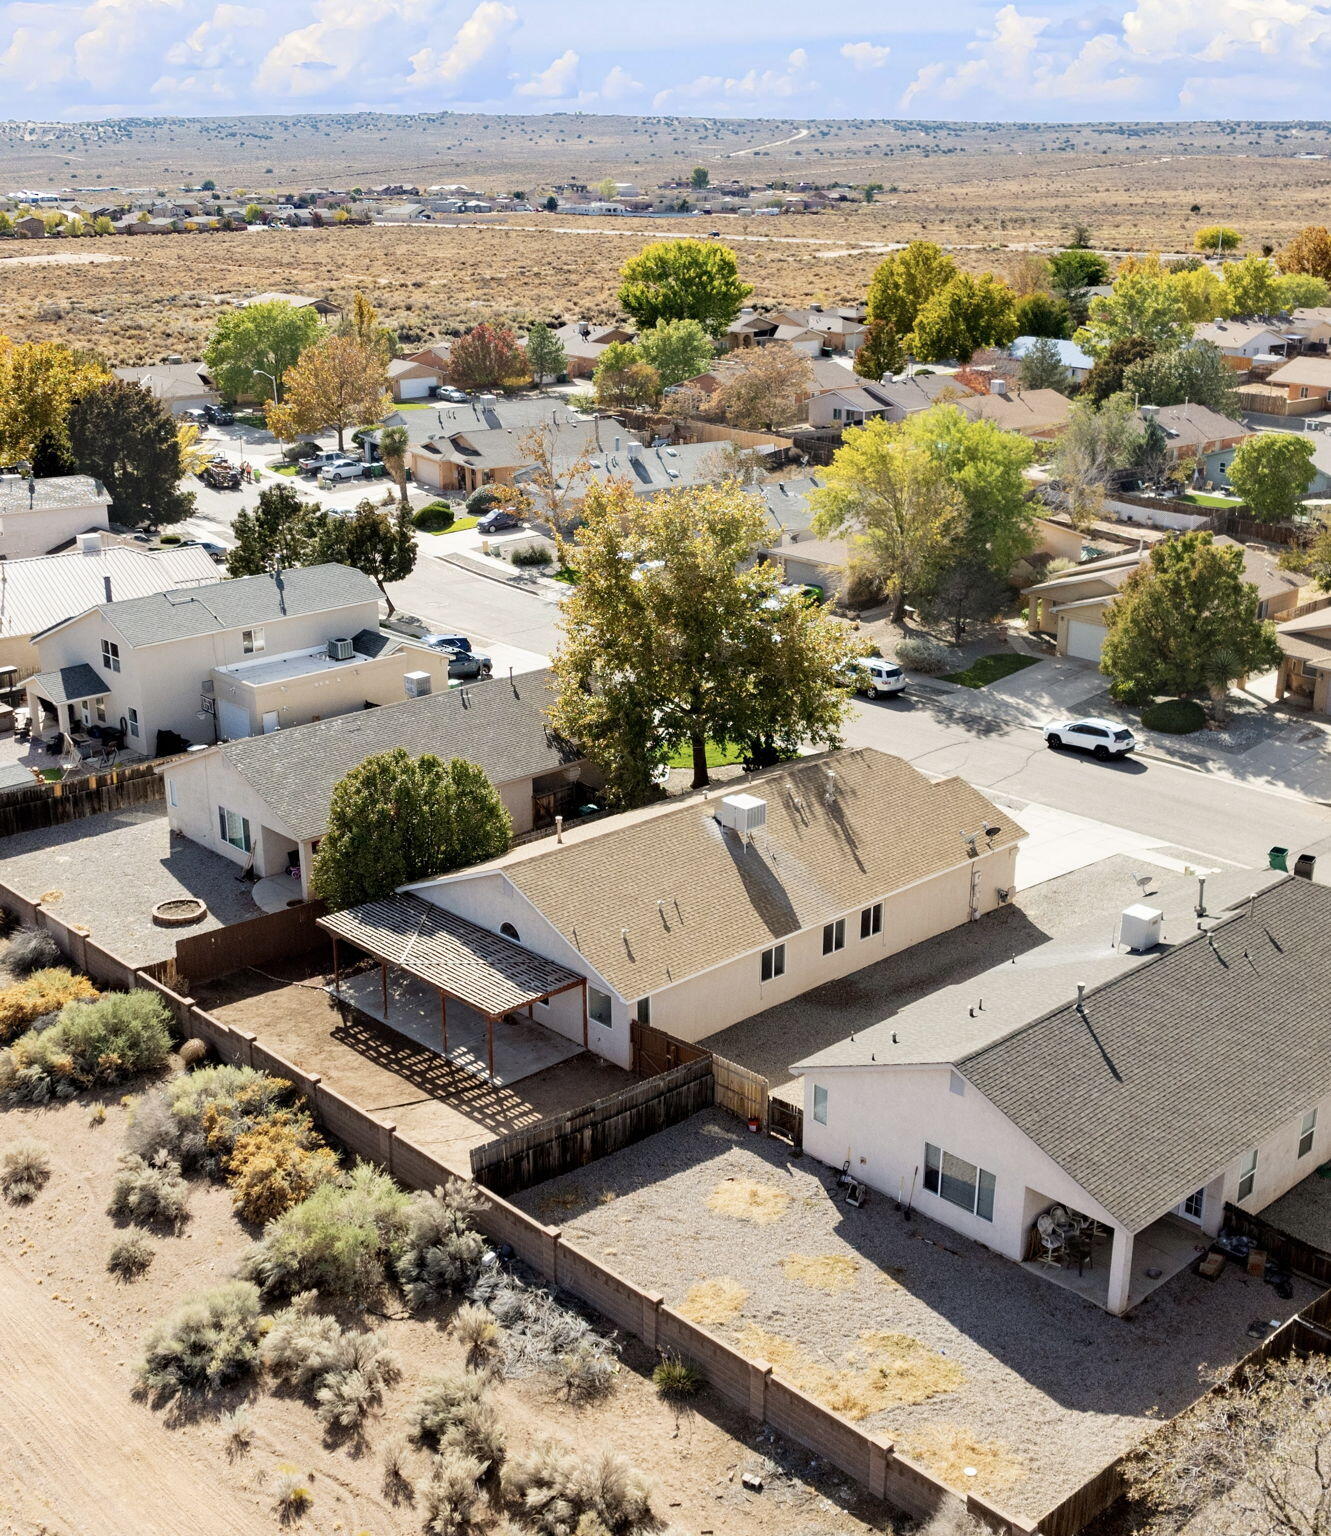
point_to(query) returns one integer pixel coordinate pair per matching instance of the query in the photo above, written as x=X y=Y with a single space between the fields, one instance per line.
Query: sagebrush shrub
x=41 y=992
x=345 y=1372
x=292 y=1495
x=476 y=1330
x=130 y=1258
x=539 y=1333
x=152 y=1194
x=450 y=1500
x=24 y=1169
x=208 y=1342
x=31 y=949
x=553 y=1488
x=276 y=1165
x=453 y=1409
x=440 y=1250
x=199 y=1115
x=339 y=1241
x=927 y=656
x=119 y=1036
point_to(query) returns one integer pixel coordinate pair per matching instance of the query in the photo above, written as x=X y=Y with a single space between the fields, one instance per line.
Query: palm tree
x=393 y=444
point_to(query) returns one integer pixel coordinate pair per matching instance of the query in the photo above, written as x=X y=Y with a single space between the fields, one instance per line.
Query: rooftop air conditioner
x=1140 y=927
x=416 y=684
x=744 y=814
x=340 y=649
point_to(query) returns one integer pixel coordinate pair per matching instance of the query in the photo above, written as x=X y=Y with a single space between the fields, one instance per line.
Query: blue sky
x=1053 y=60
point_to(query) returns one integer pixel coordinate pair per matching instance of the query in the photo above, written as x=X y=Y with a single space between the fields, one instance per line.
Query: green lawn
x=565 y=573
x=52 y=775
x=988 y=669
x=458 y=525
x=417 y=405
x=719 y=755
x=282 y=469
x=1202 y=499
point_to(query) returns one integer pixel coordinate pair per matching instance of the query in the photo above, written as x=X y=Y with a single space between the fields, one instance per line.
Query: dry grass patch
x=831 y=1272
x=962 y=1461
x=713 y=1302
x=888 y=1370
x=567 y=1199
x=748 y=1200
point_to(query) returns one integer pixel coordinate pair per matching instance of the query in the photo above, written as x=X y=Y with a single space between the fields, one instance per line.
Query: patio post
x=584 y=1013
x=383 y=982
x=337 y=970
x=1120 y=1273
x=490 y=1046
x=443 y=1018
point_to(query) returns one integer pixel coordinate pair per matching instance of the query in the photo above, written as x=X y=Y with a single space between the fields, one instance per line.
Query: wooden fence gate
x=787 y=1122
x=655 y=1051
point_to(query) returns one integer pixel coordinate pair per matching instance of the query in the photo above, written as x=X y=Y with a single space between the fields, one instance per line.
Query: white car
x=876 y=678
x=343 y=469
x=1101 y=738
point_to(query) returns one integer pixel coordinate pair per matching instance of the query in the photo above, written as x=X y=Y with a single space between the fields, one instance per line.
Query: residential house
x=411 y=379
x=1141 y=1086
x=805 y=558
x=829 y=373
x=264 y=800
x=620 y=458
x=585 y=343
x=1197 y=432
x=325 y=307
x=1306 y=382
x=1243 y=342
x=1077 y=363
x=894 y=400
x=1304 y=679
x=226 y=659
x=38 y=592
x=815 y=331
x=693 y=915
x=1071 y=607
x=31 y=226
x=180 y=386
x=37 y=516
x=1035 y=413
x=1312 y=326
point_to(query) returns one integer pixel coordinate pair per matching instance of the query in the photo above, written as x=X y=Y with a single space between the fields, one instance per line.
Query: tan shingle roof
x=674 y=894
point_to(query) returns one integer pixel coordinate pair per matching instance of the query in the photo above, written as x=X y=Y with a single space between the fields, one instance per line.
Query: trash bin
x=1305 y=864
x=1278 y=858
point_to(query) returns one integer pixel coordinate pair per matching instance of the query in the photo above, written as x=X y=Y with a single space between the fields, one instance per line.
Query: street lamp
x=263 y=372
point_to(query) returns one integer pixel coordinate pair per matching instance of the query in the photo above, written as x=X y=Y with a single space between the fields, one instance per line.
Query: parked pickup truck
x=318 y=461
x=221 y=474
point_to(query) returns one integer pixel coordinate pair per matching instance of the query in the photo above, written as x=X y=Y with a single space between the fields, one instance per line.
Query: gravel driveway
x=1053 y=1388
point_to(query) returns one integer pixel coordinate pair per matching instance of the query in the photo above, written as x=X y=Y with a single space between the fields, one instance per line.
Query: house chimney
x=1081 y=997
x=106 y=587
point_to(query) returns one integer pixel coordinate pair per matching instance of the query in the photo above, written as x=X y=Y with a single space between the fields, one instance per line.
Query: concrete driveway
x=1052 y=687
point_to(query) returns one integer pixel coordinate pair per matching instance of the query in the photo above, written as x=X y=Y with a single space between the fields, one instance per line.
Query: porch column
x=443 y=1019
x=337 y=970
x=584 y=1013
x=1120 y=1273
x=383 y=983
x=490 y=1047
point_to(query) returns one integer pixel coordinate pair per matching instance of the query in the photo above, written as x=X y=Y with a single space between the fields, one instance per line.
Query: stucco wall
x=316 y=695
x=203 y=782
x=38 y=532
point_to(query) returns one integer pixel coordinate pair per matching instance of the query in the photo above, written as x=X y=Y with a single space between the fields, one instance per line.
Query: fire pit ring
x=180 y=912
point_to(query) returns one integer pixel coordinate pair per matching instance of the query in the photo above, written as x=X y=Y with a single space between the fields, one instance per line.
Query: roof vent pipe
x=1201 y=895
x=1081 y=997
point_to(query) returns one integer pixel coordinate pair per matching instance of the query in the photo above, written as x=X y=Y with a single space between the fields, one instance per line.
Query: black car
x=497 y=521
x=218 y=416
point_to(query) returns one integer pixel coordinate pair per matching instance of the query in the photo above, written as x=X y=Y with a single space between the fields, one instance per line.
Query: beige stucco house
x=1139 y=1088
x=263 y=801
x=1071 y=607
x=226 y=659
x=38 y=516
x=1304 y=679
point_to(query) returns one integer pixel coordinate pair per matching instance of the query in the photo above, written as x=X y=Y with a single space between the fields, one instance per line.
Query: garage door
x=1084 y=640
x=414 y=389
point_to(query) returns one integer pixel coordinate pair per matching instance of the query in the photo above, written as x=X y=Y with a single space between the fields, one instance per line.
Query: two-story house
x=226 y=659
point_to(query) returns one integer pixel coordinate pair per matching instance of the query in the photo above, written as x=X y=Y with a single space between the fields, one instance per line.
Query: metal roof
x=40 y=592
x=490 y=974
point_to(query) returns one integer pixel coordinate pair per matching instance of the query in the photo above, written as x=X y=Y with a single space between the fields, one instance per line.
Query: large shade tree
x=39 y=382
x=1308 y=252
x=257 y=340
x=120 y=433
x=675 y=637
x=1272 y=472
x=683 y=280
x=338 y=383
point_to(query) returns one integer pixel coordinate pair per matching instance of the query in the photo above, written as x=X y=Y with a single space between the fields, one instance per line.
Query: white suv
x=875 y=678
x=1102 y=738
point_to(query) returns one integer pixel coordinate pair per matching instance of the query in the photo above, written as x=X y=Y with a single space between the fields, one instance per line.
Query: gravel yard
x=962 y=1356
x=1305 y=1212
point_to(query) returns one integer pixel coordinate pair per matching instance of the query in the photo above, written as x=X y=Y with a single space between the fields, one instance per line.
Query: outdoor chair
x=1051 y=1240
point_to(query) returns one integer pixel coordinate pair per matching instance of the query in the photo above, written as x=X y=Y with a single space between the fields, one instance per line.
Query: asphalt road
x=1206 y=814
x=490 y=613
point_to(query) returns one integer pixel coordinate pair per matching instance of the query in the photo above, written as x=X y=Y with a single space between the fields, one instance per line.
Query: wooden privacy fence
x=742 y=1092
x=31 y=807
x=1289 y=1252
x=259 y=941
x=572 y=1140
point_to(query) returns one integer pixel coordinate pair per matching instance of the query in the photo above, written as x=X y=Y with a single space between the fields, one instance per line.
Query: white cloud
x=756 y=85
x=866 y=55
x=480 y=40
x=618 y=84
x=1216 y=30
x=231 y=36
x=556 y=82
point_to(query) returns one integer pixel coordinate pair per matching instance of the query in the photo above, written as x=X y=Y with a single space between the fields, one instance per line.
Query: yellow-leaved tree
x=39 y=381
x=339 y=382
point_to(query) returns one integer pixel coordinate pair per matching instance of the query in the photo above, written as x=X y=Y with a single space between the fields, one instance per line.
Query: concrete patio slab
x=521 y=1048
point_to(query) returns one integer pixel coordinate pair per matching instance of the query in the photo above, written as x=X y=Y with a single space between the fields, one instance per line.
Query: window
x=959 y=1182
x=1192 y=1206
x=820 y=1104
x=171 y=792
x=133 y=722
x=644 y=1011
x=598 y=1006
x=871 y=920
x=235 y=829
x=1247 y=1175
x=773 y=963
x=1306 y=1132
x=110 y=656
x=836 y=413
x=509 y=931
x=834 y=936
x=251 y=641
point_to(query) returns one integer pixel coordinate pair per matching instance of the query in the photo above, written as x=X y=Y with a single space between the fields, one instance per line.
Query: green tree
x=1196 y=374
x=1272 y=472
x=276 y=532
x=487 y=357
x=699 y=177
x=338 y=382
x=880 y=353
x=1110 y=368
x=1042 y=368
x=905 y=282
x=683 y=280
x=1248 y=287
x=1301 y=290
x=969 y=592
x=394 y=444
x=1040 y=314
x=101 y=225
x=986 y=467
x=1309 y=253
x=674 y=636
x=1186 y=623
x=897 y=502
x=1143 y=303
x=379 y=541
x=1071 y=273
x=1097 y=441
x=677 y=349
x=268 y=337
x=395 y=818
x=971 y=312
x=623 y=380
x=254 y=214
x=119 y=433
x=39 y=382
x=551 y=204
x=546 y=357
x=1216 y=237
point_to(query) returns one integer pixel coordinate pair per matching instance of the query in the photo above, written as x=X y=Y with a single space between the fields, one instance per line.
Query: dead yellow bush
x=831 y=1272
x=963 y=1462
x=276 y=1165
x=42 y=992
x=748 y=1200
x=888 y=1370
